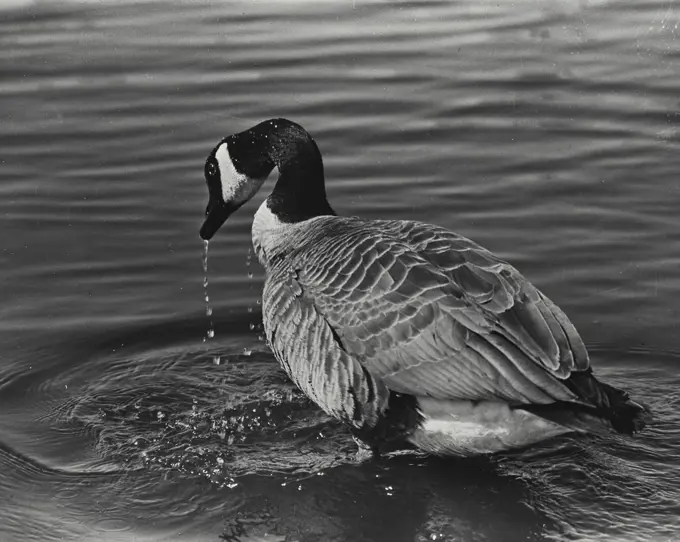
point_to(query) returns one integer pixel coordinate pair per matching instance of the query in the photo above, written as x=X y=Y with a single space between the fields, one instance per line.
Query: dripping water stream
x=252 y=326
x=208 y=308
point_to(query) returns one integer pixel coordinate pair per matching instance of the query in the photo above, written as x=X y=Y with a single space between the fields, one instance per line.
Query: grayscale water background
x=545 y=130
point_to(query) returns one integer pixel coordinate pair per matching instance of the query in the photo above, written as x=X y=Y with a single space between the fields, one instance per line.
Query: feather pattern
x=308 y=350
x=416 y=308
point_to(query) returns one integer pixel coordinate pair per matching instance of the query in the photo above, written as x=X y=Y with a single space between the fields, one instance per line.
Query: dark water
x=547 y=131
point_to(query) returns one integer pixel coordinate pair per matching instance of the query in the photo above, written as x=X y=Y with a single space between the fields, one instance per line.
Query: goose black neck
x=300 y=192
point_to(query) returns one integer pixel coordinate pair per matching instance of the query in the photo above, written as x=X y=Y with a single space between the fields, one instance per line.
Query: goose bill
x=216 y=214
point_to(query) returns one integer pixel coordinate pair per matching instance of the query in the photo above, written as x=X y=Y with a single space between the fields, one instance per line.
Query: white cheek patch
x=234 y=184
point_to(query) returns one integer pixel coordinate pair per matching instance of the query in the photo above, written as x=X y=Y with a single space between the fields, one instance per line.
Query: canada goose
x=407 y=332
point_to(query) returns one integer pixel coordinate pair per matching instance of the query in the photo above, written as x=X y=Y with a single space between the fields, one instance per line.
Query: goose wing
x=307 y=347
x=426 y=312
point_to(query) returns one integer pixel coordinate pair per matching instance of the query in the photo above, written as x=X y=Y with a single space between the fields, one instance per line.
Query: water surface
x=546 y=131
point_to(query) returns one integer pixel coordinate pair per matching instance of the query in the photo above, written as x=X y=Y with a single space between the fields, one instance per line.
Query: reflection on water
x=547 y=131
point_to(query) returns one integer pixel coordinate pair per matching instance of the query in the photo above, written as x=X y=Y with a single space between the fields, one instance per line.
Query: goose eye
x=210 y=170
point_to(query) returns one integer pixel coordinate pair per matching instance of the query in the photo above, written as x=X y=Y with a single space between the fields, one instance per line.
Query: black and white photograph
x=340 y=270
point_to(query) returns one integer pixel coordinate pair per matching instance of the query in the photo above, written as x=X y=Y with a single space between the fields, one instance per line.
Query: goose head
x=240 y=163
x=234 y=172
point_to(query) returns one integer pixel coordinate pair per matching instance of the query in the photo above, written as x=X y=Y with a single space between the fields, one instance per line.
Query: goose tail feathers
x=608 y=409
x=625 y=415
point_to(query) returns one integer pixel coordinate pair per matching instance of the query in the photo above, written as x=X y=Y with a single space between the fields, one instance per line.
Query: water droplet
x=247 y=351
x=208 y=311
x=211 y=333
x=250 y=275
x=251 y=326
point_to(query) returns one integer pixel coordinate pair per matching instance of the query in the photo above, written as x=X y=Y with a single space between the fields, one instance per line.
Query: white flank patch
x=233 y=182
x=460 y=429
x=464 y=427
